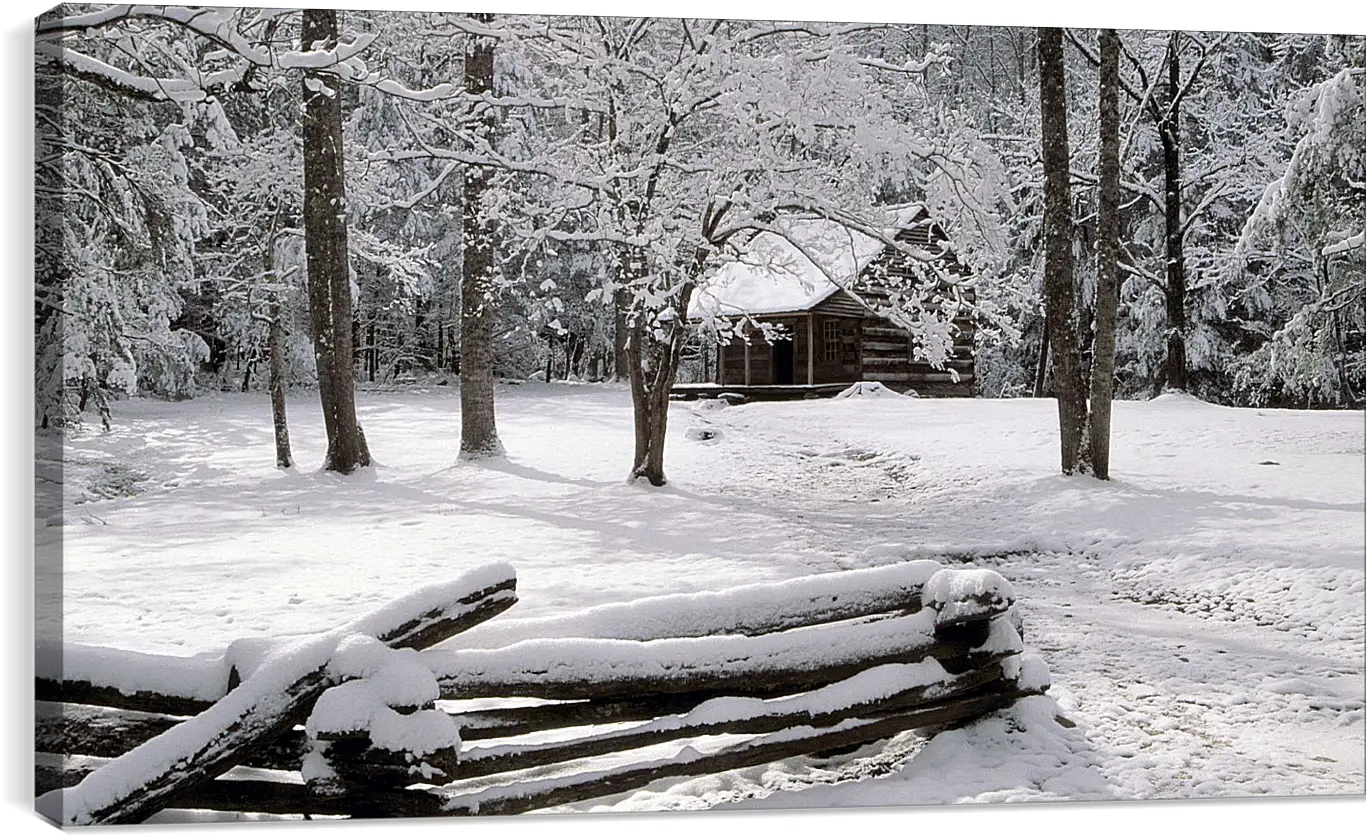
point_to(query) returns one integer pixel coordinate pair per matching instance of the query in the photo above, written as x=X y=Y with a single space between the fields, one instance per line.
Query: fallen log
x=267 y=704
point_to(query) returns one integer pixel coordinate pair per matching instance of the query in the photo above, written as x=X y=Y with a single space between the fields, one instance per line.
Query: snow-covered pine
x=117 y=223
x=1302 y=245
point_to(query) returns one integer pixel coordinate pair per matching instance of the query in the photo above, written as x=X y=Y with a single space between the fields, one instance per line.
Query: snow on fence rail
x=533 y=713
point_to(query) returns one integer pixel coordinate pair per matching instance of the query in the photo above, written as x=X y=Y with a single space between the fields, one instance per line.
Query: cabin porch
x=815 y=349
x=758 y=392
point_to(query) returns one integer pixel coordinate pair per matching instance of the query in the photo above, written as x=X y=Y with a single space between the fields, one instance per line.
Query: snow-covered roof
x=794 y=270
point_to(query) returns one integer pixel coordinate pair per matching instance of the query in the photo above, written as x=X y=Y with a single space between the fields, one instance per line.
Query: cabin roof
x=794 y=271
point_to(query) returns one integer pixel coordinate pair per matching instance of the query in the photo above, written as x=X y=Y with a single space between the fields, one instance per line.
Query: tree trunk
x=1042 y=368
x=621 y=335
x=1176 y=280
x=1108 y=258
x=1060 y=294
x=441 y=345
x=653 y=366
x=284 y=458
x=641 y=405
x=577 y=363
x=325 y=242
x=478 y=433
x=275 y=348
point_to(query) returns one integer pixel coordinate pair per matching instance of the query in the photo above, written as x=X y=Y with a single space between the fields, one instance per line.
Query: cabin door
x=783 y=362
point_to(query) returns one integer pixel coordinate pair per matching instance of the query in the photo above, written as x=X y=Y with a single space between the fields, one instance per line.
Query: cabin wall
x=889 y=359
x=762 y=371
x=889 y=356
x=837 y=339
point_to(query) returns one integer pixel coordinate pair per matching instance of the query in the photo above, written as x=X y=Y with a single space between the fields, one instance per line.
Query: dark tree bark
x=1108 y=259
x=478 y=432
x=1175 y=287
x=620 y=334
x=275 y=343
x=325 y=242
x=652 y=365
x=1060 y=295
x=1042 y=366
x=372 y=357
x=284 y=458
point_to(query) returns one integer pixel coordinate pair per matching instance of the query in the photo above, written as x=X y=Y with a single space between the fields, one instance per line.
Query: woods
x=384 y=198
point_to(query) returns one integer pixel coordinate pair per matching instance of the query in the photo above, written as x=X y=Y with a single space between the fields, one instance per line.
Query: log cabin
x=834 y=293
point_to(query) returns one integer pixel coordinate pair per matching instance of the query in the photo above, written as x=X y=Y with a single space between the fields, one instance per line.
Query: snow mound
x=1179 y=398
x=964 y=595
x=1029 y=671
x=385 y=679
x=710 y=436
x=868 y=390
x=1022 y=753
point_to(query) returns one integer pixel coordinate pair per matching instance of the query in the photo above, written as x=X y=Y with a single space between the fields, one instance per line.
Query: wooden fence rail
x=550 y=711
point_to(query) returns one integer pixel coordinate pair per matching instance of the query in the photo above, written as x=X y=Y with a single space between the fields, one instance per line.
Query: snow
x=361 y=707
x=792 y=269
x=531 y=663
x=1029 y=671
x=742 y=608
x=203 y=676
x=870 y=390
x=385 y=679
x=964 y=595
x=1200 y=616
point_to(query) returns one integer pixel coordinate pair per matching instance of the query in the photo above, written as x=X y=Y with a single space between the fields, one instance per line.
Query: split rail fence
x=549 y=711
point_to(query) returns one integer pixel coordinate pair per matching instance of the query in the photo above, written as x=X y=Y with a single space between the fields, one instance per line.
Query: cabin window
x=830 y=340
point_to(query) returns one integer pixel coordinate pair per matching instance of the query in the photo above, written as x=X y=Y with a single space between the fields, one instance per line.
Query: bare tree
x=1098 y=442
x=1060 y=294
x=478 y=433
x=275 y=314
x=1168 y=119
x=1162 y=99
x=325 y=241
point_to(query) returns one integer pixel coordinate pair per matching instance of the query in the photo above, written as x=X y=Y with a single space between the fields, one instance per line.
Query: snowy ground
x=1202 y=614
